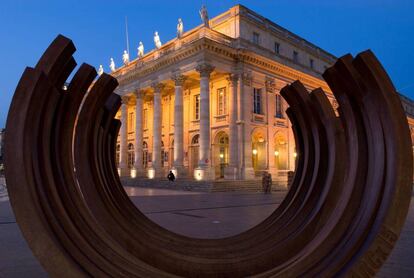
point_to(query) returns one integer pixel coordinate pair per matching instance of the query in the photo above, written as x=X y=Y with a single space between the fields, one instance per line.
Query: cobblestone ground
x=203 y=215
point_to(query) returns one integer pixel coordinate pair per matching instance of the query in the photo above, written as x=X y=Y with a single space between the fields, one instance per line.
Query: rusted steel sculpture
x=341 y=217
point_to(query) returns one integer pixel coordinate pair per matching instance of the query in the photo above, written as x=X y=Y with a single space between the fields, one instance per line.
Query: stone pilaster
x=178 y=163
x=138 y=163
x=156 y=170
x=247 y=165
x=204 y=171
x=270 y=115
x=231 y=172
x=123 y=152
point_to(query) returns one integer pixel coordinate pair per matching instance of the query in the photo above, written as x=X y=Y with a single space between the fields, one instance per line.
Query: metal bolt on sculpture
x=341 y=217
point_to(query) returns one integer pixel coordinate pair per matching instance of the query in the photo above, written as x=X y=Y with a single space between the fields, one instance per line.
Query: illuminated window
x=256 y=38
x=130 y=121
x=257 y=101
x=221 y=101
x=145 y=119
x=197 y=107
x=279 y=107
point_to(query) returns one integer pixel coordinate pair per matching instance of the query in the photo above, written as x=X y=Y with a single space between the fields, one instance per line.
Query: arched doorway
x=194 y=152
x=145 y=154
x=281 y=152
x=221 y=153
x=131 y=155
x=259 y=152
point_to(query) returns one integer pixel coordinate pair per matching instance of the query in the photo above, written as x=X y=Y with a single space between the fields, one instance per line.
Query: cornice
x=244 y=56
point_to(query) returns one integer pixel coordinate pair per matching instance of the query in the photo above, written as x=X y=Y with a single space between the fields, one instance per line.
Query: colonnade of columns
x=240 y=165
x=204 y=170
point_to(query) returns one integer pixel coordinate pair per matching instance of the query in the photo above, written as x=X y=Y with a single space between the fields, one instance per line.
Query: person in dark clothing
x=171 y=176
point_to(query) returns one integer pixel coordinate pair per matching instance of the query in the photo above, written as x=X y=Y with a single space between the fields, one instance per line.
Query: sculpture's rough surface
x=342 y=216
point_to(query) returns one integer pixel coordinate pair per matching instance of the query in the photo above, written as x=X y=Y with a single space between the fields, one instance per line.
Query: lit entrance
x=221 y=154
x=259 y=156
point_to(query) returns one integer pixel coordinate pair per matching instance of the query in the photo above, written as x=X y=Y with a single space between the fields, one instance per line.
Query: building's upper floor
x=256 y=32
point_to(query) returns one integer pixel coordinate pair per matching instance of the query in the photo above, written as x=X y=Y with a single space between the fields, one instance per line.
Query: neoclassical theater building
x=207 y=105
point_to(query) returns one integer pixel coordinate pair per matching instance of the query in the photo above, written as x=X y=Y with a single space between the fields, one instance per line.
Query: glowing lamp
x=254 y=151
x=198 y=174
x=295 y=154
x=151 y=173
x=276 y=153
x=133 y=173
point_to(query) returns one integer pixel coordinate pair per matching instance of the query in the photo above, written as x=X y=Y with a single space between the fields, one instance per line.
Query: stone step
x=203 y=186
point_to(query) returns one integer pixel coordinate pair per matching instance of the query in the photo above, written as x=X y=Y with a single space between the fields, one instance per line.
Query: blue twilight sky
x=98 y=30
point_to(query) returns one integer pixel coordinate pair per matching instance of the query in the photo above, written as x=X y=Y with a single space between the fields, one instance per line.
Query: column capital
x=205 y=69
x=139 y=93
x=157 y=87
x=179 y=79
x=125 y=99
x=270 y=85
x=232 y=78
x=247 y=78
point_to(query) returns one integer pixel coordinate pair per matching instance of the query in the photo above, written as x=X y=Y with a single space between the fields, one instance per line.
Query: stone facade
x=207 y=105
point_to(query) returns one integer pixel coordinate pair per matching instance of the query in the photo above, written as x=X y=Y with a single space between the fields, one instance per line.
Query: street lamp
x=254 y=151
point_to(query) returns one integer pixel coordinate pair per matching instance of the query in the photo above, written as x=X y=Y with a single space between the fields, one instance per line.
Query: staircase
x=189 y=184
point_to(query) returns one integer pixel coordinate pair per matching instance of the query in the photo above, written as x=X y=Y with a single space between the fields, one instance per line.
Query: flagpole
x=126 y=32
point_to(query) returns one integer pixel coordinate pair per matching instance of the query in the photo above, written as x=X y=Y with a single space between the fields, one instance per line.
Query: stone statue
x=112 y=65
x=180 y=28
x=140 y=50
x=100 y=70
x=204 y=16
x=125 y=57
x=157 y=40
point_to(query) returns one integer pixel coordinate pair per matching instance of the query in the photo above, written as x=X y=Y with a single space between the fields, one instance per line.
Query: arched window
x=195 y=139
x=131 y=155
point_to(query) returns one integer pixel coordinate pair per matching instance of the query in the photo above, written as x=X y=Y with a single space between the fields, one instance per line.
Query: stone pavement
x=203 y=215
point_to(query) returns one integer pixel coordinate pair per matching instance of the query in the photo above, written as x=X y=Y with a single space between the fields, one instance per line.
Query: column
x=123 y=152
x=139 y=170
x=156 y=170
x=231 y=172
x=270 y=115
x=247 y=167
x=179 y=126
x=204 y=170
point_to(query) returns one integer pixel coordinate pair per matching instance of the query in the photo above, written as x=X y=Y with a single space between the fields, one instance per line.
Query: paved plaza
x=202 y=215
